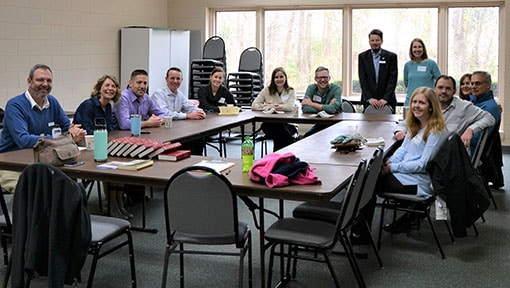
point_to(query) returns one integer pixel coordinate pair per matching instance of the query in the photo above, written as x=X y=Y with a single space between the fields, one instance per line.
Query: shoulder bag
x=59 y=151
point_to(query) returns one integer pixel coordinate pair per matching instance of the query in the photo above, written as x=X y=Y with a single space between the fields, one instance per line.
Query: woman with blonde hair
x=106 y=91
x=405 y=171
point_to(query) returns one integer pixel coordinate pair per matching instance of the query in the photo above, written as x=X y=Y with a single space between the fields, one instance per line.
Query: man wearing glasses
x=378 y=72
x=322 y=96
x=483 y=97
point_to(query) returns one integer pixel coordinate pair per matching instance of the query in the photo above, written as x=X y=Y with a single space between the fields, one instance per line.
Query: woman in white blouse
x=278 y=96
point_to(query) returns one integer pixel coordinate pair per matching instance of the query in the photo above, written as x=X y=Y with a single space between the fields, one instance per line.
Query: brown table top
x=309 y=118
x=186 y=130
x=317 y=149
x=332 y=177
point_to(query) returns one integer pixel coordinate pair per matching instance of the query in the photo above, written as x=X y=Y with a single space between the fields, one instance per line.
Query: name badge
x=285 y=98
x=422 y=68
x=317 y=98
x=51 y=124
x=382 y=62
x=222 y=100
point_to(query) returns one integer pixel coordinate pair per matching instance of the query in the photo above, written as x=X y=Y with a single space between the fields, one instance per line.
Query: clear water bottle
x=247 y=154
x=100 y=140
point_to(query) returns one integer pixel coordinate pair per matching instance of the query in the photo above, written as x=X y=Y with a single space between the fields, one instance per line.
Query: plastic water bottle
x=100 y=141
x=247 y=154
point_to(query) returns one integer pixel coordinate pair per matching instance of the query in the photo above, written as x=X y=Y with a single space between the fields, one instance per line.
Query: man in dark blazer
x=378 y=72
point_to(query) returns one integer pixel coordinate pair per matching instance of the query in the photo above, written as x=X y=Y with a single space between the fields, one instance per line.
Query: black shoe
x=402 y=225
x=359 y=239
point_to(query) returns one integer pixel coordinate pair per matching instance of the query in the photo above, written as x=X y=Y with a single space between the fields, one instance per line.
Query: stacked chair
x=247 y=83
x=213 y=55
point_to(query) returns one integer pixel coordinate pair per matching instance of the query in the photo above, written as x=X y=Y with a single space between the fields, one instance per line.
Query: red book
x=145 y=145
x=175 y=155
x=155 y=145
x=166 y=147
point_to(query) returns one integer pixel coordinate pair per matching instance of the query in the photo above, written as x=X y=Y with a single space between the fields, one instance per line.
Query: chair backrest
x=51 y=226
x=476 y=158
x=351 y=199
x=251 y=60
x=373 y=170
x=385 y=110
x=214 y=48
x=347 y=106
x=199 y=202
x=6 y=210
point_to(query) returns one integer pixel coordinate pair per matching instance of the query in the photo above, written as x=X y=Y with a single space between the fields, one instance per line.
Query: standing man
x=483 y=97
x=35 y=112
x=135 y=100
x=378 y=73
x=173 y=102
x=322 y=96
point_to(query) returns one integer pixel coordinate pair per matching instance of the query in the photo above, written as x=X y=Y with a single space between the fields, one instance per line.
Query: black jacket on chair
x=51 y=226
x=455 y=180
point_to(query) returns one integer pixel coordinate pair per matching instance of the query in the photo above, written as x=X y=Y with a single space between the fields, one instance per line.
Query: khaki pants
x=8 y=180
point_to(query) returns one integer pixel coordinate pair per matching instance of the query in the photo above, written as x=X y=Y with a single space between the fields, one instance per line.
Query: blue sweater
x=24 y=125
x=91 y=109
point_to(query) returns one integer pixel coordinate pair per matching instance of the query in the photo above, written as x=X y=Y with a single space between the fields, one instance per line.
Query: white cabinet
x=155 y=50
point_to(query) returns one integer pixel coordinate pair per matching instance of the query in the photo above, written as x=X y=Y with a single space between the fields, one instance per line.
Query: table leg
x=262 y=244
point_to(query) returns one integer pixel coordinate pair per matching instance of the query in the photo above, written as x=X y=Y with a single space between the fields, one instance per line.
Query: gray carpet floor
x=410 y=260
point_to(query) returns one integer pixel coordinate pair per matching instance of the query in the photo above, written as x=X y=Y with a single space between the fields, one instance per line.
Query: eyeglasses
x=477 y=83
x=322 y=77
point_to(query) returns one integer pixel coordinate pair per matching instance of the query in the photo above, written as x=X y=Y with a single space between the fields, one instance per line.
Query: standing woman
x=419 y=71
x=99 y=105
x=465 y=87
x=280 y=97
x=215 y=94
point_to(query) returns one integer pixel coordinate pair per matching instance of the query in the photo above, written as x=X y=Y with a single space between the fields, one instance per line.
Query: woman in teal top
x=419 y=71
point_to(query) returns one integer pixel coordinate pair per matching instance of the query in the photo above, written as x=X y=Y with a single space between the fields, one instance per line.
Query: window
x=399 y=27
x=473 y=40
x=238 y=31
x=300 y=41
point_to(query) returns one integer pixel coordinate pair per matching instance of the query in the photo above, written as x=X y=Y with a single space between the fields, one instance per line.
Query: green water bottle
x=247 y=154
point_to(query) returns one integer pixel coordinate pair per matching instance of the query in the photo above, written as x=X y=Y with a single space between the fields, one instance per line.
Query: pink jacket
x=262 y=171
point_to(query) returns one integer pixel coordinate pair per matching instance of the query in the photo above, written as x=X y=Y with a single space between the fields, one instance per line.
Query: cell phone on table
x=79 y=163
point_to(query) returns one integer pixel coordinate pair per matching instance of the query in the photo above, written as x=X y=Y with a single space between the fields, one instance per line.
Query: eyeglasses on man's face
x=322 y=77
x=478 y=83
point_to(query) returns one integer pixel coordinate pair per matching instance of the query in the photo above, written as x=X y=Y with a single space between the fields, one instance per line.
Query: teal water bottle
x=100 y=140
x=247 y=154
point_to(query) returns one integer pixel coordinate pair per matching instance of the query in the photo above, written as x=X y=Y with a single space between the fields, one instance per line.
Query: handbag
x=58 y=151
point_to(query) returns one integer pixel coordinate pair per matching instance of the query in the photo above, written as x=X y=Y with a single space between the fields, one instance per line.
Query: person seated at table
x=135 y=100
x=31 y=114
x=105 y=92
x=405 y=171
x=483 y=97
x=35 y=112
x=215 y=94
x=281 y=97
x=322 y=96
x=461 y=117
x=176 y=105
x=465 y=86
